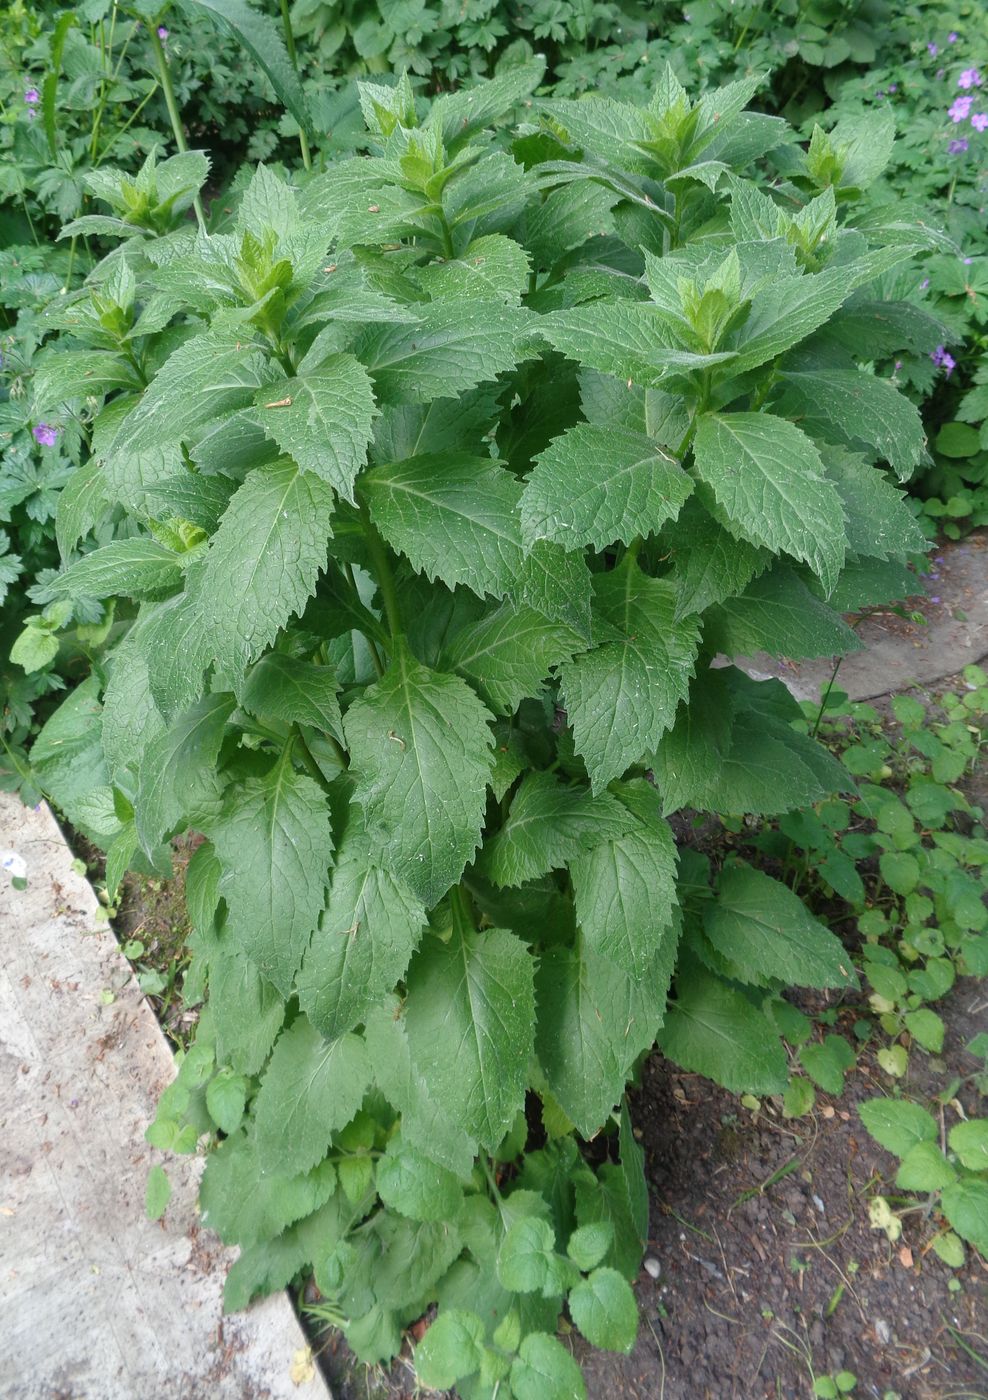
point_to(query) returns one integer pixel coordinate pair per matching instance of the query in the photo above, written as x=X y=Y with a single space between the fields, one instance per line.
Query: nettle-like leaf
x=470 y=1023
x=453 y=515
x=274 y=842
x=263 y=561
x=420 y=746
x=621 y=695
x=769 y=487
x=426 y=488
x=595 y=485
x=323 y=420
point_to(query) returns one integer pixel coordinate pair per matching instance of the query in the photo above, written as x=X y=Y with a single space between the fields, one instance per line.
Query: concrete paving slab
x=899 y=654
x=96 y=1301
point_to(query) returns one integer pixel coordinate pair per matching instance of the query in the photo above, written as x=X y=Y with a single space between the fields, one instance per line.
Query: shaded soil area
x=769 y=1274
x=765 y=1286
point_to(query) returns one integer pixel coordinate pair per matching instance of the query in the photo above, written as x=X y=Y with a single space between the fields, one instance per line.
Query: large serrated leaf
x=82 y=503
x=177 y=765
x=454 y=346
x=295 y=691
x=859 y=410
x=777 y=613
x=470 y=1019
x=623 y=694
x=786 y=310
x=210 y=374
x=712 y=1029
x=880 y=524
x=311 y=1089
x=594 y=1020
x=274 y=841
x=362 y=945
x=548 y=824
x=623 y=338
x=136 y=568
x=709 y=564
x=245 y=1204
x=454 y=515
x=766 y=930
x=263 y=561
x=323 y=419
x=769 y=484
x=738 y=753
x=420 y=748
x=507 y=654
x=625 y=887
x=424 y=1118
x=595 y=485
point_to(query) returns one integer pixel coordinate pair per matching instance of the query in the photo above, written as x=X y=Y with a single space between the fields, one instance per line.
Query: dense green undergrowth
x=386 y=511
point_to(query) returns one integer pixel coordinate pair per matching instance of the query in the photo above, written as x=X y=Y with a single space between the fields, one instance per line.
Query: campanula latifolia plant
x=440 y=478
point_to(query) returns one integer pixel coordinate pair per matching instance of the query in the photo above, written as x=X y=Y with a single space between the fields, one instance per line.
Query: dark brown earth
x=761 y=1292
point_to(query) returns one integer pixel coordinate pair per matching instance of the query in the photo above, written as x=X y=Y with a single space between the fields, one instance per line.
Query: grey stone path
x=96 y=1302
x=899 y=654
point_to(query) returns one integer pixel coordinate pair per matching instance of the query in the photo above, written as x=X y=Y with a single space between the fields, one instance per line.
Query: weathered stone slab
x=97 y=1302
x=899 y=654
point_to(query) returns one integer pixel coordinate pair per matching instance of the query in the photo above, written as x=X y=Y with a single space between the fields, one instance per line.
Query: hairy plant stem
x=308 y=760
x=383 y=576
x=375 y=655
x=165 y=79
x=286 y=24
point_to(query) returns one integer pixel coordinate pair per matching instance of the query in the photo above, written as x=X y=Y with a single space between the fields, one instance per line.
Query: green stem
x=68 y=272
x=461 y=909
x=382 y=572
x=491 y=1178
x=371 y=643
x=286 y=24
x=165 y=78
x=825 y=697
x=308 y=761
x=122 y=131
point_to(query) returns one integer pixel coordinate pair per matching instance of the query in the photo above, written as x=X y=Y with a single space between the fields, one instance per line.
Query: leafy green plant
x=949 y=1164
x=933 y=87
x=439 y=478
x=901 y=862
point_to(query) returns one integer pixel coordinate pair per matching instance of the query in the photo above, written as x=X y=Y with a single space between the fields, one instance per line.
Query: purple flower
x=45 y=434
x=969 y=78
x=952 y=38
x=957 y=148
x=968 y=262
x=932 y=50
x=943 y=359
x=32 y=97
x=893 y=87
x=959 y=109
x=980 y=121
x=880 y=92
x=924 y=284
x=934 y=598
x=162 y=33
